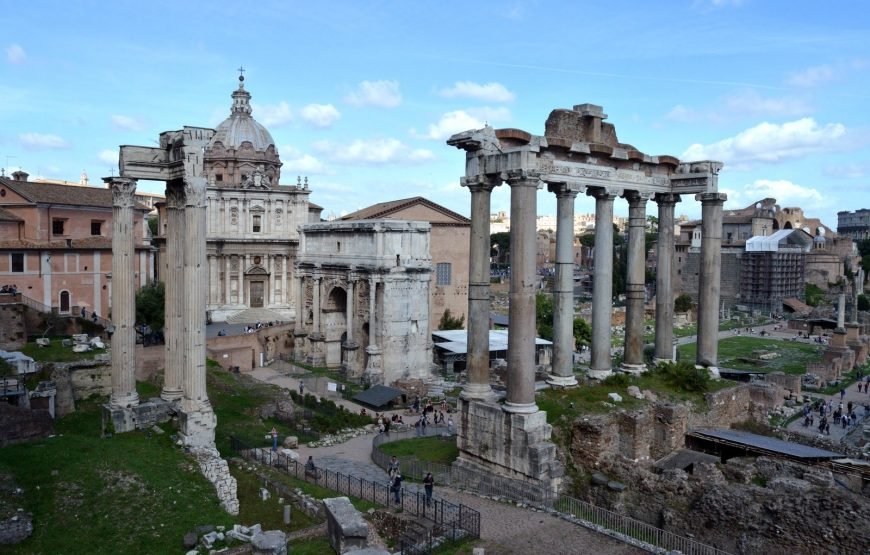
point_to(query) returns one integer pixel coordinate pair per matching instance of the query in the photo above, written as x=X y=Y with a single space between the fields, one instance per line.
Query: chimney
x=20 y=175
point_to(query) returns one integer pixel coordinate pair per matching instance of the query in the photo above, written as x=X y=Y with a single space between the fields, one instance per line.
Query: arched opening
x=337 y=300
x=787 y=225
x=64 y=302
x=775 y=225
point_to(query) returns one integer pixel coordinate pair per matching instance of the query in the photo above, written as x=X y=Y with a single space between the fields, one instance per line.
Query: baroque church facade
x=253 y=221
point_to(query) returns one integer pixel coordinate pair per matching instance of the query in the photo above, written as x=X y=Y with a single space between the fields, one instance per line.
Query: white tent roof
x=456 y=341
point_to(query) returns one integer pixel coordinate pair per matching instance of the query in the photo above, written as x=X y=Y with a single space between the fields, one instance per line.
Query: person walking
x=450 y=424
x=428 y=485
x=301 y=388
x=274 y=433
x=396 y=488
x=393 y=469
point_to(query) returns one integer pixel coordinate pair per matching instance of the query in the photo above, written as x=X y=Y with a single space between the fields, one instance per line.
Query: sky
x=360 y=96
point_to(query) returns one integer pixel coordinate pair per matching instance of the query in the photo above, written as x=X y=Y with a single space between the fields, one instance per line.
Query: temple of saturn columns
x=578 y=153
x=178 y=162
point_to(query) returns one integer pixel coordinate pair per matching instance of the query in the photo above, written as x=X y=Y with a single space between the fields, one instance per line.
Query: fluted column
x=123 y=294
x=634 y=283
x=563 y=291
x=195 y=395
x=602 y=284
x=174 y=291
x=664 y=277
x=709 y=279
x=521 y=333
x=477 y=358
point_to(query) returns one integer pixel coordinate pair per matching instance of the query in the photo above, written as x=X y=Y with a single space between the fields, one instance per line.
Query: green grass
x=317 y=546
x=268 y=513
x=56 y=352
x=426 y=449
x=127 y=494
x=793 y=358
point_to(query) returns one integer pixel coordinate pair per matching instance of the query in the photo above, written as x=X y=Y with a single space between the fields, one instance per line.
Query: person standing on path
x=274 y=433
x=428 y=484
x=450 y=424
x=301 y=388
x=396 y=488
x=393 y=469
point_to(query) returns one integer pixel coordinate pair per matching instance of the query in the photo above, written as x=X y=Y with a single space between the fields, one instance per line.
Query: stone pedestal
x=299 y=338
x=119 y=420
x=345 y=526
x=350 y=366
x=373 y=374
x=509 y=444
x=316 y=350
x=196 y=427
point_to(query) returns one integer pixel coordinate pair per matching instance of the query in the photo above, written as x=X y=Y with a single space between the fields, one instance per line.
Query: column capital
x=523 y=178
x=712 y=198
x=561 y=189
x=123 y=189
x=194 y=191
x=601 y=193
x=481 y=183
x=637 y=197
x=175 y=198
x=667 y=198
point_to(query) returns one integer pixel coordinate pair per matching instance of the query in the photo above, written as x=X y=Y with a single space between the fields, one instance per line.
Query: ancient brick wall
x=20 y=424
x=13 y=332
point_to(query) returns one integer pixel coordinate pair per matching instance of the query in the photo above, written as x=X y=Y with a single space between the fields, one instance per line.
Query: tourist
x=396 y=487
x=428 y=484
x=310 y=469
x=84 y=313
x=450 y=424
x=842 y=394
x=416 y=405
x=301 y=388
x=362 y=412
x=400 y=420
x=222 y=333
x=393 y=469
x=418 y=426
x=94 y=317
x=823 y=423
x=274 y=433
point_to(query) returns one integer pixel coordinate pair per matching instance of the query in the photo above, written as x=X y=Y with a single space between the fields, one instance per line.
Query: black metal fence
x=450 y=521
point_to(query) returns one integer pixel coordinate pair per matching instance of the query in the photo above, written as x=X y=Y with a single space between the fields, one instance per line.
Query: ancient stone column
x=194 y=299
x=123 y=295
x=634 y=283
x=227 y=290
x=349 y=309
x=174 y=290
x=664 y=276
x=563 y=292
x=373 y=371
x=350 y=347
x=521 y=333
x=841 y=311
x=316 y=354
x=709 y=279
x=316 y=304
x=299 y=332
x=602 y=283
x=477 y=358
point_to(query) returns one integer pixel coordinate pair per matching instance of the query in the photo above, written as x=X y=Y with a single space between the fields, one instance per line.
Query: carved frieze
x=234 y=216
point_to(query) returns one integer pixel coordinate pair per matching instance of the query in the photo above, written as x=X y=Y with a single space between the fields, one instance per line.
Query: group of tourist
x=845 y=416
x=9 y=289
x=396 y=480
x=257 y=326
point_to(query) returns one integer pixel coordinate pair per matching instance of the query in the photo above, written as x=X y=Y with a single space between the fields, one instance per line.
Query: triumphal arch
x=578 y=153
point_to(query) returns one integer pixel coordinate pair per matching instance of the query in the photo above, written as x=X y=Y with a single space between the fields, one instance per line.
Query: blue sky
x=360 y=96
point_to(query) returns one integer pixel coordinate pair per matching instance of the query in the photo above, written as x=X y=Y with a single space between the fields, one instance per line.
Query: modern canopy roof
x=377 y=396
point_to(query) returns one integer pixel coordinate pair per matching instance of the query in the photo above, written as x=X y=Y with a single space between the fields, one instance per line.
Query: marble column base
x=196 y=427
x=479 y=392
x=126 y=401
x=598 y=374
x=561 y=381
x=350 y=361
x=317 y=350
x=299 y=345
x=520 y=408
x=374 y=374
x=636 y=369
x=171 y=395
x=145 y=415
x=658 y=361
x=714 y=371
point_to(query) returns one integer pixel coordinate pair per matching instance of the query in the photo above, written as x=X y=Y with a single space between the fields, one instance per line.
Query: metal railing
x=586 y=514
x=451 y=521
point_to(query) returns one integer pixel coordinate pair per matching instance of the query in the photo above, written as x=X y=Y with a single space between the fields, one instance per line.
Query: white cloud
x=109 y=156
x=743 y=103
x=319 y=115
x=273 y=115
x=306 y=164
x=383 y=94
x=39 y=141
x=785 y=192
x=463 y=120
x=490 y=92
x=813 y=76
x=848 y=171
x=15 y=54
x=771 y=143
x=127 y=123
x=373 y=151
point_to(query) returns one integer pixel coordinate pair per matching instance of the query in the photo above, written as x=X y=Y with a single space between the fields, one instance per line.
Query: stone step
x=254 y=315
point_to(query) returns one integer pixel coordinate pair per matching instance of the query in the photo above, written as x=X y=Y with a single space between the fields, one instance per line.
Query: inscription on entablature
x=577 y=170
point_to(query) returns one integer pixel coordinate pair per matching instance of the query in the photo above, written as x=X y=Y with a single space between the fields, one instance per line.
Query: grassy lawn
x=426 y=449
x=56 y=352
x=793 y=357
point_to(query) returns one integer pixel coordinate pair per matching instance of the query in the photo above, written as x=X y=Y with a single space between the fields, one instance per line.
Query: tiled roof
x=72 y=195
x=7 y=216
x=385 y=209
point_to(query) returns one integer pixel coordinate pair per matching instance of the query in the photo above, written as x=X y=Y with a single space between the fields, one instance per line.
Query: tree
x=502 y=243
x=582 y=332
x=544 y=316
x=150 y=303
x=863 y=302
x=448 y=322
x=152 y=225
x=683 y=303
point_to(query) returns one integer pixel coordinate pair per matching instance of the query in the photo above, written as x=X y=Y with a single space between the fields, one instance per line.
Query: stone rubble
x=340 y=437
x=217 y=471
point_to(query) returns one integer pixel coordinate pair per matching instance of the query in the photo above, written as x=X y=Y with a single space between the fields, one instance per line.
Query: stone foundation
x=19 y=424
x=345 y=527
x=217 y=471
x=196 y=427
x=144 y=415
x=513 y=445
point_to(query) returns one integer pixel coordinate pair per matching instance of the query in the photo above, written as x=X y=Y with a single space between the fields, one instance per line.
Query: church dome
x=240 y=127
x=242 y=152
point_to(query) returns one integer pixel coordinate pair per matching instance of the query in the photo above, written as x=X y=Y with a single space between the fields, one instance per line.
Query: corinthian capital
x=175 y=198
x=123 y=189
x=524 y=177
x=194 y=191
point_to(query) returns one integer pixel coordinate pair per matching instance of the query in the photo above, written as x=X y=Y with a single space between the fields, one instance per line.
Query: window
x=57 y=227
x=219 y=177
x=257 y=220
x=96 y=227
x=442 y=273
x=17 y=261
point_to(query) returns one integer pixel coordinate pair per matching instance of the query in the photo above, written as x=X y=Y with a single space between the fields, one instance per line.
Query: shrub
x=617 y=380
x=685 y=376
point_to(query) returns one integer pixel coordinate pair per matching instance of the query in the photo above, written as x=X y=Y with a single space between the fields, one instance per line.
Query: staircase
x=254 y=315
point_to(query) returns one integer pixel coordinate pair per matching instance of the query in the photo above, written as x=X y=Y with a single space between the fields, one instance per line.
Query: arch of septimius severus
x=578 y=153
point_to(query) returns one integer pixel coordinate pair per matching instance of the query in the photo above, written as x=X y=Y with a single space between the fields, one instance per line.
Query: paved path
x=859 y=402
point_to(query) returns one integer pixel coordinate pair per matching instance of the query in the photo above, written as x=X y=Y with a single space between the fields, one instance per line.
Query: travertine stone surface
x=664 y=342
x=602 y=301
x=562 y=374
x=709 y=279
